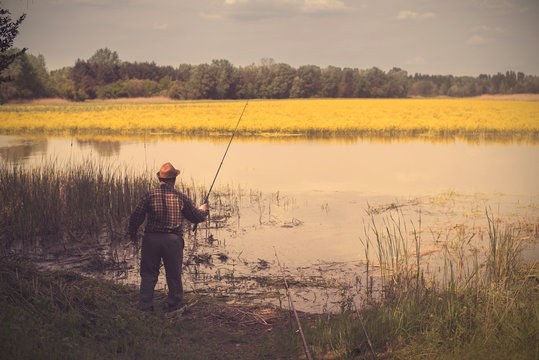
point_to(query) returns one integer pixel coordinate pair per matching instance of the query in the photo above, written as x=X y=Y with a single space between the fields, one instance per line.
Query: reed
x=61 y=203
x=482 y=305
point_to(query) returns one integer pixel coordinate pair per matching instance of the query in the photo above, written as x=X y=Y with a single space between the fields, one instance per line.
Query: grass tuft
x=486 y=311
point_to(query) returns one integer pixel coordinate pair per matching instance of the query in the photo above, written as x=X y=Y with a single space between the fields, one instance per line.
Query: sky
x=458 y=37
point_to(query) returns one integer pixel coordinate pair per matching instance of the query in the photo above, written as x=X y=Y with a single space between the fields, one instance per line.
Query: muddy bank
x=65 y=315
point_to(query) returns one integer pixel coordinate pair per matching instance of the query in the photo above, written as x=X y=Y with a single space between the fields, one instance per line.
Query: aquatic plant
x=477 y=305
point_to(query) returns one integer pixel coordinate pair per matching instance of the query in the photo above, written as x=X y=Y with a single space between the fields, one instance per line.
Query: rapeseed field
x=280 y=117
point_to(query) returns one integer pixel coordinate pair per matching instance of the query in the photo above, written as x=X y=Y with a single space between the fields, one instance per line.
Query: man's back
x=166 y=208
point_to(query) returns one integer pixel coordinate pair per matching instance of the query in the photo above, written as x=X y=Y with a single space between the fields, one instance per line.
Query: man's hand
x=204 y=207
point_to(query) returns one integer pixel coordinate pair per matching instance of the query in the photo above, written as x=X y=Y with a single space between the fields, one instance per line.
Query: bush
x=112 y=91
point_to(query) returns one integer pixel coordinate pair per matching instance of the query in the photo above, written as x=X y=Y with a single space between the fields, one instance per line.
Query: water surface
x=399 y=168
x=309 y=200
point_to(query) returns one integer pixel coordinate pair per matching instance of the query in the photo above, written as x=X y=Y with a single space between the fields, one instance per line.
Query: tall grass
x=66 y=316
x=51 y=203
x=480 y=305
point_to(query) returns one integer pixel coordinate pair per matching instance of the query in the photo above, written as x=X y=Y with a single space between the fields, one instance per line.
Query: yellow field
x=324 y=116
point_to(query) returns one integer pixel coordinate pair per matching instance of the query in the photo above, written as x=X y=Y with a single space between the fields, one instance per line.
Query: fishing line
x=222 y=160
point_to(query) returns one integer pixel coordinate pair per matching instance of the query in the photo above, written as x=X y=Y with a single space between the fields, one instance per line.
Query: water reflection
x=105 y=148
x=377 y=138
x=399 y=168
x=388 y=138
x=15 y=149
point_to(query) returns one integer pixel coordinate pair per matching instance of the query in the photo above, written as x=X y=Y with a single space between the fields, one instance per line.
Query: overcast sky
x=459 y=37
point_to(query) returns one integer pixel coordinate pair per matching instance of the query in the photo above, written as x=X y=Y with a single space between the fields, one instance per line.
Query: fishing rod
x=307 y=353
x=222 y=160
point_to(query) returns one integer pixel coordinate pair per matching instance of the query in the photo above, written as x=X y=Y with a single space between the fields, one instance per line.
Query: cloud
x=501 y=6
x=488 y=29
x=419 y=60
x=103 y=4
x=406 y=15
x=482 y=34
x=160 y=26
x=322 y=6
x=232 y=2
x=262 y=9
x=476 y=40
x=211 y=16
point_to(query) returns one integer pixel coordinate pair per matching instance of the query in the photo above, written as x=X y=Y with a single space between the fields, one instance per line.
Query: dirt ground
x=235 y=330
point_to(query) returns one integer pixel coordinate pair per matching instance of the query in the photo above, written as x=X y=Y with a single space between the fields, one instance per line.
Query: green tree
x=184 y=72
x=9 y=29
x=104 y=56
x=61 y=83
x=264 y=77
x=497 y=84
x=425 y=88
x=397 y=83
x=225 y=80
x=247 y=82
x=307 y=82
x=176 y=90
x=34 y=76
x=29 y=78
x=373 y=83
x=346 y=85
x=149 y=88
x=281 y=83
x=115 y=90
x=134 y=88
x=329 y=82
x=83 y=77
x=202 y=83
x=164 y=84
x=105 y=66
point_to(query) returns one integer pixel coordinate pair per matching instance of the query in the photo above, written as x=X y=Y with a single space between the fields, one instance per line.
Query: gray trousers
x=157 y=246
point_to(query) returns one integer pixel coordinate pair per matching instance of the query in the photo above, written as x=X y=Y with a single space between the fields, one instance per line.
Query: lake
x=310 y=200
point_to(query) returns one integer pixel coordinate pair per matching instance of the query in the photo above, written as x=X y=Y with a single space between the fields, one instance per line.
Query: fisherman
x=166 y=209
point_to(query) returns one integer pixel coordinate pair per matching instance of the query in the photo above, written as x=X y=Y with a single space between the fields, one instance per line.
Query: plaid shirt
x=166 y=208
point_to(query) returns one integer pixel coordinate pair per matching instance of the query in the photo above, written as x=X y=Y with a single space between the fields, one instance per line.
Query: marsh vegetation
x=419 y=292
x=440 y=259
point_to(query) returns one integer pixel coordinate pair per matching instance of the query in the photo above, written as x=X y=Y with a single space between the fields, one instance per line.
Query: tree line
x=105 y=76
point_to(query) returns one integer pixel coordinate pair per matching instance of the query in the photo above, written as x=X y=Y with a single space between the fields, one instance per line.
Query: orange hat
x=168 y=171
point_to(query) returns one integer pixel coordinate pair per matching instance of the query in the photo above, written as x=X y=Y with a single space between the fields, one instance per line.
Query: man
x=166 y=209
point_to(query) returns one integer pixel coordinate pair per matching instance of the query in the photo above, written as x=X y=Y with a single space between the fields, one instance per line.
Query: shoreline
x=58 y=101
